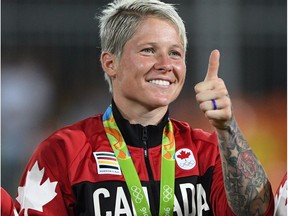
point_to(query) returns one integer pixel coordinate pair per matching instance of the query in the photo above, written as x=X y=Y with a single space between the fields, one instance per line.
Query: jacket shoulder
x=197 y=134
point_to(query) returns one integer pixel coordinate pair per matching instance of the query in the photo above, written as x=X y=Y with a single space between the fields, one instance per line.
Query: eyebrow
x=156 y=44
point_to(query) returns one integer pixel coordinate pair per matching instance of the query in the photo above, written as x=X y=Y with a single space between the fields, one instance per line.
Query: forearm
x=247 y=187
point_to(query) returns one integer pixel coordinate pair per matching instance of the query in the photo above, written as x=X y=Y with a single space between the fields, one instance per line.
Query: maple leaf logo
x=185 y=159
x=183 y=155
x=33 y=195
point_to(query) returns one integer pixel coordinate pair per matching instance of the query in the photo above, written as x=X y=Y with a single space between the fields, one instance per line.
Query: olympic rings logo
x=187 y=163
x=144 y=211
x=167 y=193
x=137 y=194
x=167 y=212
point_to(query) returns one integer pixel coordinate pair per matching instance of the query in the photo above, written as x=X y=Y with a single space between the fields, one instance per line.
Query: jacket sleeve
x=7 y=204
x=44 y=187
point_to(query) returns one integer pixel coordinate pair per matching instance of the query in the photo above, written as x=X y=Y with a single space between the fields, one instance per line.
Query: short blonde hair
x=120 y=19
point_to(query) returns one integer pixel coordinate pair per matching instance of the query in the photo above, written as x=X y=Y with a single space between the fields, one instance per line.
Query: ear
x=108 y=62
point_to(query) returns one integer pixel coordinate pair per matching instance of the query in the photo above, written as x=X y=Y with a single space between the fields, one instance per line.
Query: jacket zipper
x=145 y=144
x=149 y=170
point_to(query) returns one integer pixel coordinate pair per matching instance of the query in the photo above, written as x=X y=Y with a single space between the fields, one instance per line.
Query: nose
x=163 y=63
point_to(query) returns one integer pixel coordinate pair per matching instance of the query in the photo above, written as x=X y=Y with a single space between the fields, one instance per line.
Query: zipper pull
x=144 y=135
x=144 y=139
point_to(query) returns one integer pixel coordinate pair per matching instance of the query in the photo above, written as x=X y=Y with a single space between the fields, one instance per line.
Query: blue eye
x=175 y=53
x=148 y=50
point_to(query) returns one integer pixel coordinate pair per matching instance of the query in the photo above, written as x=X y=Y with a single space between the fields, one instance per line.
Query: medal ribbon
x=130 y=174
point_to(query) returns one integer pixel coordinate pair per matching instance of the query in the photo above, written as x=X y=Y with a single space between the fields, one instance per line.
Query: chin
x=160 y=100
x=162 y=103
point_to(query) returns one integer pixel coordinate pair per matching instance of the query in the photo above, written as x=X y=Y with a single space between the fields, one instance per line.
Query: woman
x=134 y=159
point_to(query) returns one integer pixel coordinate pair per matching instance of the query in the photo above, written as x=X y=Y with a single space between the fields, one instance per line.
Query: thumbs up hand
x=212 y=95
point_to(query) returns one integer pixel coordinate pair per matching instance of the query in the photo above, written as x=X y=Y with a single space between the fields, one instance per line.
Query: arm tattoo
x=247 y=187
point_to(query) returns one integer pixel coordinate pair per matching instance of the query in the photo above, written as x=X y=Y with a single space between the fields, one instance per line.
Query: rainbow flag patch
x=107 y=163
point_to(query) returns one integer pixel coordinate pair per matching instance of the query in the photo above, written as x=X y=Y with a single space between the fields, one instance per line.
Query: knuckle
x=196 y=88
x=220 y=81
x=203 y=106
x=197 y=96
x=226 y=102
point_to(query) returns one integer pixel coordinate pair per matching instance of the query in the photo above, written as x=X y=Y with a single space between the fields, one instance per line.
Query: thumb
x=212 y=72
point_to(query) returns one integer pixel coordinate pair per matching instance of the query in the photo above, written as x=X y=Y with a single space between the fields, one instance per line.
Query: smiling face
x=151 y=71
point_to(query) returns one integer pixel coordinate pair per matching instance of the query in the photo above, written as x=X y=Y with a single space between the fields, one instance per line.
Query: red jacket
x=74 y=172
x=7 y=204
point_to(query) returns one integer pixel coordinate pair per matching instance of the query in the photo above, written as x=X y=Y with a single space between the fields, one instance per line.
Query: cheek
x=131 y=63
x=181 y=72
x=141 y=64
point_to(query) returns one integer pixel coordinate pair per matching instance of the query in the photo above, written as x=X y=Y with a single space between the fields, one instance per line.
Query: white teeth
x=160 y=82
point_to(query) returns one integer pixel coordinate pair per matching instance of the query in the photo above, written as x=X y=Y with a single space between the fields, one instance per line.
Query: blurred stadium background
x=51 y=75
